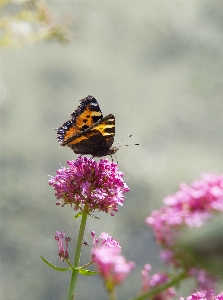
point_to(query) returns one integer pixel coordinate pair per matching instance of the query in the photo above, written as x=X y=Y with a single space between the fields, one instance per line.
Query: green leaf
x=55 y=267
x=87 y=272
x=78 y=215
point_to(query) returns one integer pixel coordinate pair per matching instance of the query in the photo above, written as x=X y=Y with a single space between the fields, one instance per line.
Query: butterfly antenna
x=125 y=139
x=119 y=146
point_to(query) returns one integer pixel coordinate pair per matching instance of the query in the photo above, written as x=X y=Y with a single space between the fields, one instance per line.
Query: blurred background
x=157 y=66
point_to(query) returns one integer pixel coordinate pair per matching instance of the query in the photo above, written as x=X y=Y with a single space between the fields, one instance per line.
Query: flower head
x=105 y=239
x=204 y=295
x=218 y=297
x=191 y=205
x=109 y=261
x=99 y=185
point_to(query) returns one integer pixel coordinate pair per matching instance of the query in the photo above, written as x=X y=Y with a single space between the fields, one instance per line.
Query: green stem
x=112 y=294
x=88 y=264
x=69 y=263
x=161 y=288
x=73 y=281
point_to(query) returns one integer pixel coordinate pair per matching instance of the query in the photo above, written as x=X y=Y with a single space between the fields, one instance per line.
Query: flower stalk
x=73 y=281
x=112 y=294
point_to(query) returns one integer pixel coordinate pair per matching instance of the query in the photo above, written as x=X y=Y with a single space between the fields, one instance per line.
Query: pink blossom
x=204 y=295
x=156 y=280
x=105 y=239
x=60 y=238
x=99 y=185
x=167 y=256
x=191 y=205
x=204 y=280
x=109 y=261
x=218 y=297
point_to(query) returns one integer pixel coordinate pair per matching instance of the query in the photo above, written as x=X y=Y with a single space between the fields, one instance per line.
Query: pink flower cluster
x=155 y=281
x=108 y=259
x=191 y=205
x=203 y=295
x=99 y=185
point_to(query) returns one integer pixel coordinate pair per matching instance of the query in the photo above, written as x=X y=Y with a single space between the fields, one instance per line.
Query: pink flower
x=105 y=239
x=154 y=281
x=60 y=238
x=167 y=256
x=197 y=296
x=191 y=205
x=218 y=297
x=204 y=280
x=204 y=295
x=109 y=261
x=87 y=182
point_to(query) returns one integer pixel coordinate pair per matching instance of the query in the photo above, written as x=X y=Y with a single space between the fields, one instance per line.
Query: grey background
x=157 y=66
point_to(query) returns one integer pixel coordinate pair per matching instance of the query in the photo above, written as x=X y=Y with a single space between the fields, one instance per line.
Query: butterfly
x=87 y=131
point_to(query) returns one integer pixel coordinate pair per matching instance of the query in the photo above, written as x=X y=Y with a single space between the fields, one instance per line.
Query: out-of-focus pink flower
x=191 y=205
x=204 y=295
x=109 y=261
x=219 y=296
x=204 y=280
x=99 y=185
x=167 y=256
x=156 y=280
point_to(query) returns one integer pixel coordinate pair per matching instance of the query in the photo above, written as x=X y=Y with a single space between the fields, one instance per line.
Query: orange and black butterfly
x=87 y=132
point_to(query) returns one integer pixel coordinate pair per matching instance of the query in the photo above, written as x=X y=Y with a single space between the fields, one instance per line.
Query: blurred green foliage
x=204 y=245
x=31 y=21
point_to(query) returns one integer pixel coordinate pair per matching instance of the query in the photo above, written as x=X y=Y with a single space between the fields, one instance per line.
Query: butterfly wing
x=85 y=116
x=96 y=140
